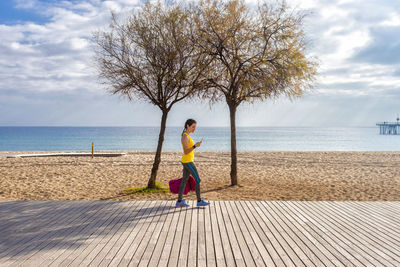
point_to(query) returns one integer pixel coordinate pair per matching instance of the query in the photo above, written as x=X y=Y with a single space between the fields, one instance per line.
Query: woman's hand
x=198 y=144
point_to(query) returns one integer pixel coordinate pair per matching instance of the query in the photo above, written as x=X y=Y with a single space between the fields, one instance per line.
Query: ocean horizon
x=62 y=138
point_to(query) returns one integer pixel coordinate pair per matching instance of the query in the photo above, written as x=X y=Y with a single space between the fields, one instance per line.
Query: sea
x=60 y=138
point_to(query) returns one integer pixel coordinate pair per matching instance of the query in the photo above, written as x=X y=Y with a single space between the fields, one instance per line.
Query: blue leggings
x=189 y=168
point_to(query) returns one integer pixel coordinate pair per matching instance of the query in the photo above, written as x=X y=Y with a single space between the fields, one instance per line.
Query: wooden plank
x=380 y=211
x=12 y=203
x=333 y=251
x=235 y=230
x=255 y=254
x=236 y=250
x=170 y=238
x=378 y=229
x=32 y=215
x=84 y=226
x=13 y=231
x=80 y=229
x=14 y=222
x=160 y=246
x=104 y=247
x=280 y=251
x=45 y=249
x=347 y=251
x=311 y=244
x=150 y=239
x=192 y=251
x=96 y=228
x=388 y=216
x=299 y=245
x=201 y=238
x=29 y=242
x=294 y=250
x=127 y=243
x=12 y=210
x=346 y=241
x=226 y=246
x=351 y=224
x=9 y=206
x=378 y=248
x=173 y=238
x=226 y=233
x=268 y=243
x=391 y=206
x=84 y=256
x=394 y=205
x=210 y=250
x=184 y=249
x=146 y=221
x=219 y=252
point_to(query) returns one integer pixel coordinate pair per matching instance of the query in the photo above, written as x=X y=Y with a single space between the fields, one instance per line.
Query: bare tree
x=259 y=54
x=151 y=57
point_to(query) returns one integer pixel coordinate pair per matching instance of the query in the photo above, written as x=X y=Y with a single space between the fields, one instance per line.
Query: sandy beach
x=366 y=176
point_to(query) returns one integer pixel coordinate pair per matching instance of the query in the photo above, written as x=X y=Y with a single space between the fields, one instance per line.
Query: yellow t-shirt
x=190 y=156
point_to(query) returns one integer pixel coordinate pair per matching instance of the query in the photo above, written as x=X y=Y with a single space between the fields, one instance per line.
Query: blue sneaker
x=182 y=204
x=202 y=203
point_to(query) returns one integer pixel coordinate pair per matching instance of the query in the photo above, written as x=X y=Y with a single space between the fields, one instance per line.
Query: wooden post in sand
x=92 y=150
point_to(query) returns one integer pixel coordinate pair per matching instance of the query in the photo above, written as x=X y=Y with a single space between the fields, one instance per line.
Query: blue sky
x=47 y=78
x=10 y=14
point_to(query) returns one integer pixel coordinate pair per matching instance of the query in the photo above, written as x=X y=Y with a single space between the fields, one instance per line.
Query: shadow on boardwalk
x=175 y=197
x=25 y=225
x=226 y=233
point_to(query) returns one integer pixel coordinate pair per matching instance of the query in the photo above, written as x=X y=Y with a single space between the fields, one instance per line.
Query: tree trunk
x=157 y=159
x=232 y=111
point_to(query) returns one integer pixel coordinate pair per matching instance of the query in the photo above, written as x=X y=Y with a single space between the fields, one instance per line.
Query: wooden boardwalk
x=226 y=233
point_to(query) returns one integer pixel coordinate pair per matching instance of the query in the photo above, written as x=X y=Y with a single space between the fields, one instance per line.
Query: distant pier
x=389 y=127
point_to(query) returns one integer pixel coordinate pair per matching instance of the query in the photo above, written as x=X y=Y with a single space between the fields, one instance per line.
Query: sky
x=47 y=77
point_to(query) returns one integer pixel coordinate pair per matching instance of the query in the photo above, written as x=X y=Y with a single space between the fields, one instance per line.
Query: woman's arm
x=185 y=143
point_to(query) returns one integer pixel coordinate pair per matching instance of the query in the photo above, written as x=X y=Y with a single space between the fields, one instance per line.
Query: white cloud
x=79 y=43
x=26 y=3
x=393 y=20
x=21 y=48
x=55 y=56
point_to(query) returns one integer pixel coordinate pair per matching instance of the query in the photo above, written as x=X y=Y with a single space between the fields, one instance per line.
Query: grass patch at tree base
x=160 y=188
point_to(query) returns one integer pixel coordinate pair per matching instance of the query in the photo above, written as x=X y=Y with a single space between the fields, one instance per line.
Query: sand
x=330 y=176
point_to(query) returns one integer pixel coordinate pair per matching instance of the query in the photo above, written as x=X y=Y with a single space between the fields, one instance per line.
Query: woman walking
x=188 y=165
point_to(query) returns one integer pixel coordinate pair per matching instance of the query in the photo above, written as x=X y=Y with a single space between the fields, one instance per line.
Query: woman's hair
x=188 y=122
